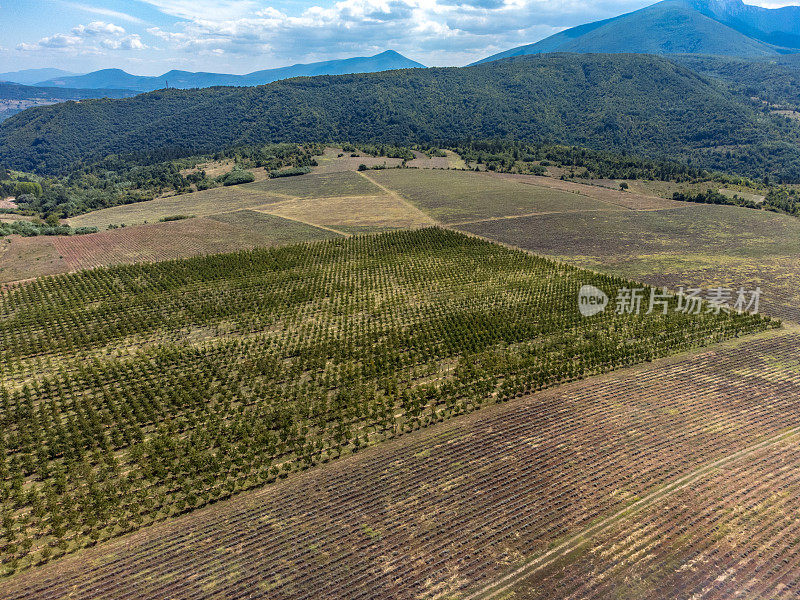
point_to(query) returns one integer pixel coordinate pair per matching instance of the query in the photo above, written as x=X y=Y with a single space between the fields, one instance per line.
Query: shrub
x=237 y=177
x=289 y=172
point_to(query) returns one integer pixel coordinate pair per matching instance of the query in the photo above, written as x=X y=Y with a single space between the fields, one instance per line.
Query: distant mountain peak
x=713 y=27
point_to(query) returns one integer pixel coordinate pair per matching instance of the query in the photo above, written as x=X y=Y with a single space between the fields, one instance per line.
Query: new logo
x=591 y=300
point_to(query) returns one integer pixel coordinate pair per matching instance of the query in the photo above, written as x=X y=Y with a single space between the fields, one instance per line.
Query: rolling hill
x=15 y=98
x=116 y=78
x=668 y=27
x=640 y=104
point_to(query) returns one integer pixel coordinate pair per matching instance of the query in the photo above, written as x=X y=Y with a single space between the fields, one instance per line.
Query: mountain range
x=712 y=27
x=33 y=76
x=118 y=79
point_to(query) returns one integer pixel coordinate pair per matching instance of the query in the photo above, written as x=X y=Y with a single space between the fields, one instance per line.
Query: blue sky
x=149 y=37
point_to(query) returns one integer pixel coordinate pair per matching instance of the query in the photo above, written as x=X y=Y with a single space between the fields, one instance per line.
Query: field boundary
x=504 y=583
x=565 y=212
x=310 y=224
x=399 y=197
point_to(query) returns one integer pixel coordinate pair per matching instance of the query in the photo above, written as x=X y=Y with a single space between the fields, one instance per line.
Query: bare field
x=275 y=229
x=457 y=196
x=27 y=257
x=323 y=185
x=446 y=511
x=159 y=241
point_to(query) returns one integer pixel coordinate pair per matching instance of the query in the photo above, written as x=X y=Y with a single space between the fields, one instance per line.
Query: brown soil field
x=446 y=511
x=159 y=241
x=732 y=534
x=27 y=257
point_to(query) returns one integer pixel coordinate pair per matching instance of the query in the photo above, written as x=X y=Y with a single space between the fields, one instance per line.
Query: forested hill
x=642 y=104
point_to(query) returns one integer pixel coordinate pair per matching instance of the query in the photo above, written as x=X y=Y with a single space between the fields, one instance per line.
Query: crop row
x=736 y=534
x=447 y=509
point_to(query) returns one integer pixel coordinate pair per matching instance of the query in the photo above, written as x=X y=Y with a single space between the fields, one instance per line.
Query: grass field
x=695 y=245
x=641 y=199
x=374 y=212
x=200 y=204
x=325 y=185
x=456 y=196
x=135 y=393
x=446 y=511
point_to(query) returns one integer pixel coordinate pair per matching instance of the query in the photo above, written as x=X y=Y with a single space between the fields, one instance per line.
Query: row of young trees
x=133 y=393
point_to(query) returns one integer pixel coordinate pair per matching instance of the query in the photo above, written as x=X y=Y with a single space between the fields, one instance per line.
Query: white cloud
x=209 y=9
x=106 y=12
x=88 y=39
x=452 y=32
x=769 y=4
x=59 y=41
x=96 y=28
x=130 y=42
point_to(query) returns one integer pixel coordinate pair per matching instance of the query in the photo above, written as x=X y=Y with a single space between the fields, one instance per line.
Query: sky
x=150 y=37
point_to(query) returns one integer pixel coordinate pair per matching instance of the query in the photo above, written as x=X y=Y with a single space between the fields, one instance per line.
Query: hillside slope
x=116 y=78
x=775 y=80
x=669 y=27
x=642 y=104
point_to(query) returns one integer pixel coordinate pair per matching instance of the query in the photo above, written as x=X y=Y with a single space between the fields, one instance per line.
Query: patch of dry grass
x=351 y=211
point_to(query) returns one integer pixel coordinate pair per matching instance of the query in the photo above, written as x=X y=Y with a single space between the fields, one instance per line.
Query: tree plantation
x=134 y=393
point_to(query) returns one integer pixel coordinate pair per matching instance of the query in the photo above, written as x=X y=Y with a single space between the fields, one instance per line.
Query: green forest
x=625 y=103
